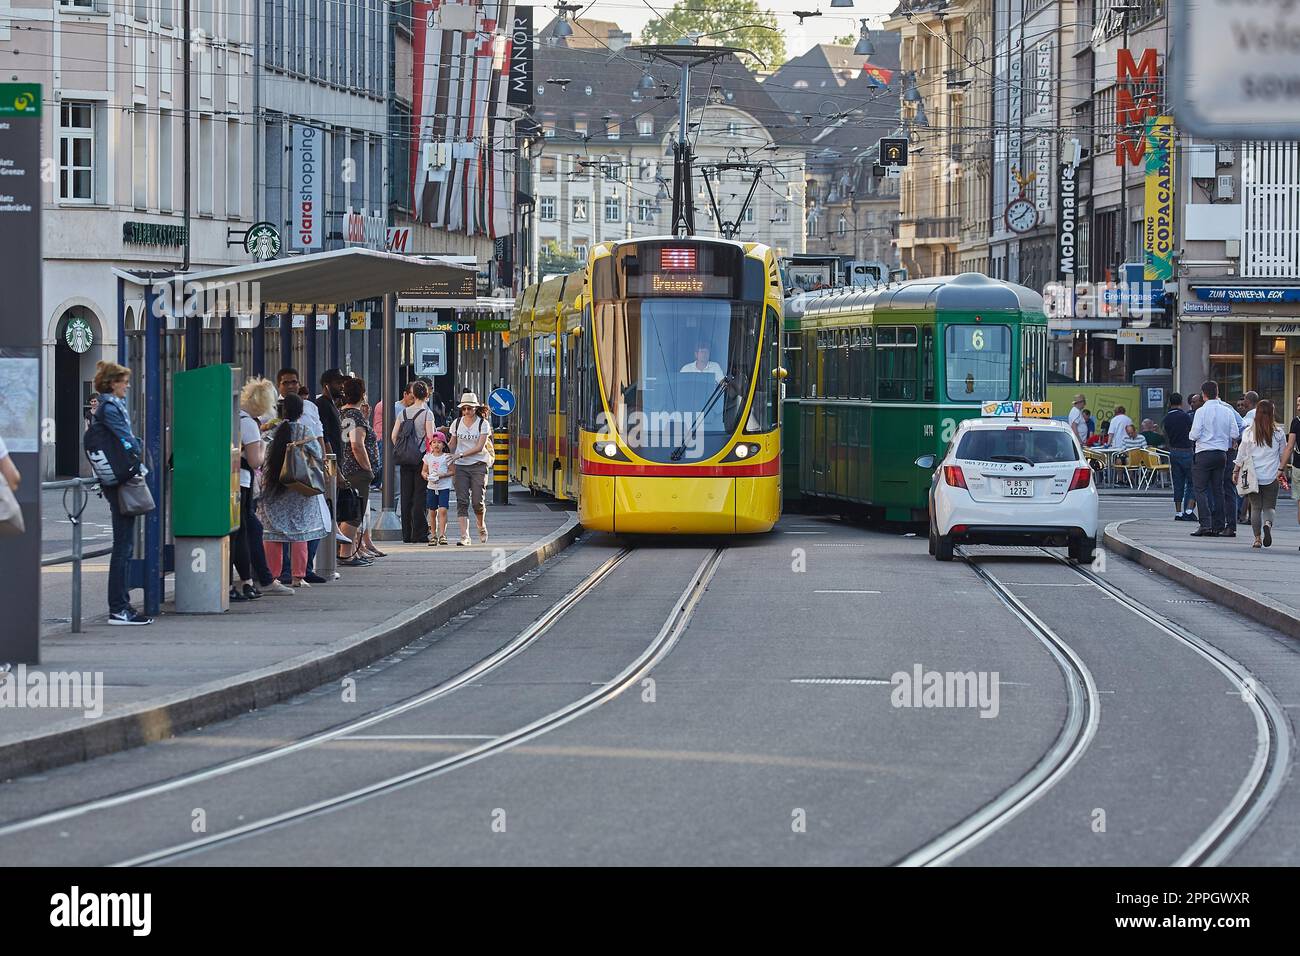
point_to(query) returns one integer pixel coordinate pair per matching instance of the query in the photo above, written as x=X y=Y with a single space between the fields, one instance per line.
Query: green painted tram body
x=882 y=383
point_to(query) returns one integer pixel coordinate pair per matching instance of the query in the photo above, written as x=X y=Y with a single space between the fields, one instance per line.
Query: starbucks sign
x=262 y=241
x=79 y=335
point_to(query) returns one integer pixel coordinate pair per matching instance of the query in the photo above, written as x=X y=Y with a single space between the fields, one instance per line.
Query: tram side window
x=846 y=363
x=1033 y=363
x=767 y=390
x=927 y=364
x=896 y=363
x=867 y=363
x=792 y=362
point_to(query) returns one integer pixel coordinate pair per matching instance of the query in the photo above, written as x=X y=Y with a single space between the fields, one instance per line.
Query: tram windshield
x=978 y=362
x=677 y=371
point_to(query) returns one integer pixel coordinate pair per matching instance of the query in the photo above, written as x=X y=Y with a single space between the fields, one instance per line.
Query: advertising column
x=20 y=365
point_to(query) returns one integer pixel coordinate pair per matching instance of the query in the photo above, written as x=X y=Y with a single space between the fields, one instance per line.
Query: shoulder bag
x=1247 y=480
x=301 y=472
x=134 y=498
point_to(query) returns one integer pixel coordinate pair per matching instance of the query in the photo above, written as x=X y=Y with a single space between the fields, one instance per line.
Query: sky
x=632 y=15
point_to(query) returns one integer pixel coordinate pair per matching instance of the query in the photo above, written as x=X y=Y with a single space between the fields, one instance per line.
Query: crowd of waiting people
x=281 y=528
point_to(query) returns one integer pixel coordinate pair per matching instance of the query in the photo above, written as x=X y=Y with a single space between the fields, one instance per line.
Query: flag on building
x=877 y=75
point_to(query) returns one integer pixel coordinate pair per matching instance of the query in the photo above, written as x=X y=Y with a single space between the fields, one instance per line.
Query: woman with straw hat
x=471 y=453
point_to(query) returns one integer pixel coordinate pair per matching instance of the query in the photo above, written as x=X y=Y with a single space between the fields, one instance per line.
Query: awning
x=343 y=275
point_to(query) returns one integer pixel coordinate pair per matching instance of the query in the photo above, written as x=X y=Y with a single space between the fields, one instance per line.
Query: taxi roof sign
x=1016 y=410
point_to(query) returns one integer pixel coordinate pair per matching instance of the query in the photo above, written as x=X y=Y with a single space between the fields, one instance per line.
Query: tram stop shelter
x=167 y=336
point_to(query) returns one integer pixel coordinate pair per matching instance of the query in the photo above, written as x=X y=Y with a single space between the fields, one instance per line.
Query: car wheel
x=943 y=547
x=1083 y=550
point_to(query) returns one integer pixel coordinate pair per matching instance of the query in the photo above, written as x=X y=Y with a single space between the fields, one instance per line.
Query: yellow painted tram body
x=649 y=387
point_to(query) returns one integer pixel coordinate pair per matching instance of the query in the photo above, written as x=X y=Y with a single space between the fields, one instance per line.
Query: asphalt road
x=769 y=734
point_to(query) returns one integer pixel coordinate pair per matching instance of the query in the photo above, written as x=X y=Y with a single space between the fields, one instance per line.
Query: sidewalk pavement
x=1260 y=584
x=56 y=529
x=186 y=671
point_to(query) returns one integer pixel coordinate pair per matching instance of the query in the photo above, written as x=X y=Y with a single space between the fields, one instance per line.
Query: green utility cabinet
x=205 y=451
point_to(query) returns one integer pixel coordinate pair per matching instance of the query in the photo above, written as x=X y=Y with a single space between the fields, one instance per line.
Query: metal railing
x=80 y=496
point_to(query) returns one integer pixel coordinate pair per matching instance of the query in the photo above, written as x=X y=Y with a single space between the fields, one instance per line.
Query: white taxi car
x=1011 y=479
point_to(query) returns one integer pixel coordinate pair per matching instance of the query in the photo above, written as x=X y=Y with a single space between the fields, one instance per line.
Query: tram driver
x=702 y=363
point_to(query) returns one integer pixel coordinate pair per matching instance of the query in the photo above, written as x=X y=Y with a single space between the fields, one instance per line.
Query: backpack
x=408 y=449
x=112 y=461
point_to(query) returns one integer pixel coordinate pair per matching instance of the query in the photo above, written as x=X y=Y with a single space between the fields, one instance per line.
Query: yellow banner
x=1158 y=230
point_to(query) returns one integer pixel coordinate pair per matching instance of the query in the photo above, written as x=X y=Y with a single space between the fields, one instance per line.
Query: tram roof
x=342 y=275
x=968 y=292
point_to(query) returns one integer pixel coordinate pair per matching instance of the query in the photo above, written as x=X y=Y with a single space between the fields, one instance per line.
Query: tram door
x=572 y=414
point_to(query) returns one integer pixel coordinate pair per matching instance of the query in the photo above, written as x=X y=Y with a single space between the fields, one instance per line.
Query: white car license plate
x=1017 y=488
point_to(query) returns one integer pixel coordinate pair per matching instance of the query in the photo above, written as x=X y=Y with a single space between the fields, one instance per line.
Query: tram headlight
x=609 y=449
x=742 y=451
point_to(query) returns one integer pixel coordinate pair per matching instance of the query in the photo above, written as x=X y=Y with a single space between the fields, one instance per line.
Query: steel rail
x=664 y=641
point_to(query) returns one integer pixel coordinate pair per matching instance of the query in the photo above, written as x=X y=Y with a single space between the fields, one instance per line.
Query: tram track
x=659 y=647
x=1082 y=717
x=1230 y=829
x=1270 y=763
x=485 y=665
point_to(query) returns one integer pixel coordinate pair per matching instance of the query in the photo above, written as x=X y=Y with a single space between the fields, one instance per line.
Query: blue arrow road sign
x=501 y=401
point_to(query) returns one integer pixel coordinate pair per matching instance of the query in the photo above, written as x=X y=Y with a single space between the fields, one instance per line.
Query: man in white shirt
x=1215 y=427
x=1118 y=426
x=1078 y=422
x=702 y=363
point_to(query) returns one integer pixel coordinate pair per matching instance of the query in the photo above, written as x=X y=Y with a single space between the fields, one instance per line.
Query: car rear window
x=1038 y=446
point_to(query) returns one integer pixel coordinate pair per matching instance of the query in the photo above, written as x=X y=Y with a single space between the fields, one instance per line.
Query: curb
x=1255 y=606
x=163 y=717
x=65 y=557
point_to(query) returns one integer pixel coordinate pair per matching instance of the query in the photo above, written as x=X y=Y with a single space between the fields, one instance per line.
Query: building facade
x=602 y=169
x=114 y=198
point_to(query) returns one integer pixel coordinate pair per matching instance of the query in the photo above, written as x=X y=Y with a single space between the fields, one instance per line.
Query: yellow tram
x=649 y=387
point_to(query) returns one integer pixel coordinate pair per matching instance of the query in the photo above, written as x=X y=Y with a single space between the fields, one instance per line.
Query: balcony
x=936 y=227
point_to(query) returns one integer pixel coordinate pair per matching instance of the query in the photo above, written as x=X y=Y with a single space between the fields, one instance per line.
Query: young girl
x=437 y=471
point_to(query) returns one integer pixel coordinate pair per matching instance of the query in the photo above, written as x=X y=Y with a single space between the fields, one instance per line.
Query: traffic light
x=893 y=151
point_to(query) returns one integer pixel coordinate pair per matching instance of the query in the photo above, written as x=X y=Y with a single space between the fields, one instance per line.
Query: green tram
x=883 y=376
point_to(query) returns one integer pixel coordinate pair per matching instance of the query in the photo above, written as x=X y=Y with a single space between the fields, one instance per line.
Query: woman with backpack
x=111 y=382
x=288 y=516
x=412 y=430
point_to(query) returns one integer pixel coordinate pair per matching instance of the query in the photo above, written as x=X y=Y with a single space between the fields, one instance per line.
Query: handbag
x=11 y=512
x=301 y=471
x=1247 y=480
x=134 y=498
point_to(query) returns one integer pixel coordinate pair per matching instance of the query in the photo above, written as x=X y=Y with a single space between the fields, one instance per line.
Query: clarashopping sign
x=307 y=196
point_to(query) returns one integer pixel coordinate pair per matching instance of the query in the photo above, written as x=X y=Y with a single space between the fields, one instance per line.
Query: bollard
x=327 y=557
x=78 y=502
x=501 y=467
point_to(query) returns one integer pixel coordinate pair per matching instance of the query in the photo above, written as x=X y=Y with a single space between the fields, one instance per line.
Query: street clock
x=1021 y=215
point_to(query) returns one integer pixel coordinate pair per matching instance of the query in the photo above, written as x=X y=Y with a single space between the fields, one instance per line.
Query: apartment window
x=645 y=126
x=234 y=170
x=644 y=210
x=578 y=170
x=733 y=129
x=781 y=214
x=612 y=127
x=749 y=214
x=580 y=126
x=206 y=166
x=580 y=250
x=546 y=209
x=548 y=164
x=842 y=226
x=548 y=128
x=142 y=9
x=166 y=13
x=76 y=151
x=164 y=160
x=580 y=210
x=613 y=209
x=234 y=20
x=375 y=171
x=140 y=157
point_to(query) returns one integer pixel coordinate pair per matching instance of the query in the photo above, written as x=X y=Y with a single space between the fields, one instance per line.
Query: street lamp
x=865 y=47
x=564 y=11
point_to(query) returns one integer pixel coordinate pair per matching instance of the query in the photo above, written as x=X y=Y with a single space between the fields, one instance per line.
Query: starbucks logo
x=262 y=241
x=79 y=335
